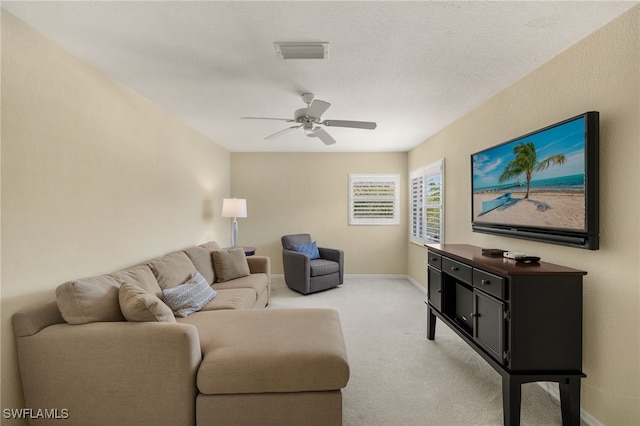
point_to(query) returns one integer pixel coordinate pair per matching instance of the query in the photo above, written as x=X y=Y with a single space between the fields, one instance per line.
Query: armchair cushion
x=323 y=267
x=310 y=250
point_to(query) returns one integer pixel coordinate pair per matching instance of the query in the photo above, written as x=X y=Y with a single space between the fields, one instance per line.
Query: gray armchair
x=309 y=276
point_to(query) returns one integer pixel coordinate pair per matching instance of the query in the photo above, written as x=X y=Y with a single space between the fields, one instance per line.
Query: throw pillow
x=310 y=250
x=189 y=297
x=230 y=264
x=139 y=305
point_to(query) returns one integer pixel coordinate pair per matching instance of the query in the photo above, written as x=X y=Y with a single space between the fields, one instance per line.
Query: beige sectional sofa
x=110 y=351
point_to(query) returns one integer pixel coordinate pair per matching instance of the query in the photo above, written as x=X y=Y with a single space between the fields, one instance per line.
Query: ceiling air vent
x=302 y=50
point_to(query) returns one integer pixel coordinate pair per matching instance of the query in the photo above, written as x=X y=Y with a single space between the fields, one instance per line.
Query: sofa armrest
x=108 y=373
x=29 y=321
x=259 y=264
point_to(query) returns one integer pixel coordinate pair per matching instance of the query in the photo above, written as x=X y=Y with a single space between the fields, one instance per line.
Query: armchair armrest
x=337 y=255
x=297 y=269
x=108 y=373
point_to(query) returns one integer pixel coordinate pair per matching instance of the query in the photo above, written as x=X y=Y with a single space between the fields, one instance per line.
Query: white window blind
x=426 y=221
x=416 y=221
x=374 y=199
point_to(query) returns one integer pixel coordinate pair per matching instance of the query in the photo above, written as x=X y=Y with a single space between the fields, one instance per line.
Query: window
x=374 y=199
x=426 y=217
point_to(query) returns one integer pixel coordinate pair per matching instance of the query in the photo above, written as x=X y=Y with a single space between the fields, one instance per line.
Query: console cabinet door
x=489 y=324
x=434 y=284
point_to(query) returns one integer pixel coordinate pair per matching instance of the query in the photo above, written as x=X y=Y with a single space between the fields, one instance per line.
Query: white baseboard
x=552 y=389
x=371 y=276
x=390 y=276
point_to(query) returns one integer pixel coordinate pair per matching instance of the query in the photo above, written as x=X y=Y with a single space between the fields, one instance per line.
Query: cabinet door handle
x=474 y=315
x=439 y=291
x=454 y=268
x=485 y=282
x=434 y=259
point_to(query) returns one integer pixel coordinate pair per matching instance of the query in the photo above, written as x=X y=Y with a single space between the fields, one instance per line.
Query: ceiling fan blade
x=354 y=124
x=282 y=132
x=317 y=108
x=267 y=118
x=325 y=137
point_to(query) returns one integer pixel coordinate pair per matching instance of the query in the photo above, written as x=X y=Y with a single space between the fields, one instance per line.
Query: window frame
x=372 y=178
x=419 y=233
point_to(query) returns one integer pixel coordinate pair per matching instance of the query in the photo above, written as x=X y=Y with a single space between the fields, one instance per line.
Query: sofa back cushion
x=86 y=300
x=172 y=269
x=200 y=256
x=141 y=276
x=211 y=246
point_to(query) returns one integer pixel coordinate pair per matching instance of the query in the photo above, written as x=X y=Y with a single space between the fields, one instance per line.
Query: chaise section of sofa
x=110 y=351
x=106 y=373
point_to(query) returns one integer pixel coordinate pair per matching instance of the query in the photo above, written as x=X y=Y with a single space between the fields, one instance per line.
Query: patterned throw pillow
x=189 y=297
x=310 y=250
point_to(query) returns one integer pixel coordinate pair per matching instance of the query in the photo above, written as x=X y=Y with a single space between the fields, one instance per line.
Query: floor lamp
x=235 y=208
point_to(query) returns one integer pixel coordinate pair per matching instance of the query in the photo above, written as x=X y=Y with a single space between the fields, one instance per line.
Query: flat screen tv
x=542 y=186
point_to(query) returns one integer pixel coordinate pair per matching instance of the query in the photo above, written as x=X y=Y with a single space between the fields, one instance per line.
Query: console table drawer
x=434 y=260
x=489 y=283
x=456 y=269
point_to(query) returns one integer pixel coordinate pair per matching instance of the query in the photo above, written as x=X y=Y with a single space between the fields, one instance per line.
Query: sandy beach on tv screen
x=557 y=209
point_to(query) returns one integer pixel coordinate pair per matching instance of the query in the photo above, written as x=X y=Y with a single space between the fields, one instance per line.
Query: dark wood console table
x=525 y=320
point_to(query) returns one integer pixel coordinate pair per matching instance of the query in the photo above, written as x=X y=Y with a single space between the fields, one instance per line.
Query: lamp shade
x=234 y=207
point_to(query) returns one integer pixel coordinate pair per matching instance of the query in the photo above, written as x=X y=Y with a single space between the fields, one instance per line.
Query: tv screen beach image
x=536 y=180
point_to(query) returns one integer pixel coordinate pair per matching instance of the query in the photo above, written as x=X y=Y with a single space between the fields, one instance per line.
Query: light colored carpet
x=398 y=377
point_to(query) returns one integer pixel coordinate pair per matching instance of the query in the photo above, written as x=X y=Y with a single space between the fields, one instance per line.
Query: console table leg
x=570 y=401
x=431 y=324
x=511 y=398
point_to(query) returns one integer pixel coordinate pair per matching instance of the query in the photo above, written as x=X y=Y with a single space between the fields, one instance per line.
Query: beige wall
x=600 y=73
x=94 y=178
x=290 y=193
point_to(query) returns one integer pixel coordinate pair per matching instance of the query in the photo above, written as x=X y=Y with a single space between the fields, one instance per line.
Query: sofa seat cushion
x=257 y=282
x=273 y=350
x=232 y=298
x=323 y=267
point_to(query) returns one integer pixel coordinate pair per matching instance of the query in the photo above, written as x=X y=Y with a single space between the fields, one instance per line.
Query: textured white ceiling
x=412 y=67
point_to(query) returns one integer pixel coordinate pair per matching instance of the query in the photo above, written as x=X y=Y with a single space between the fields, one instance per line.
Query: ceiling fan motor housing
x=300 y=116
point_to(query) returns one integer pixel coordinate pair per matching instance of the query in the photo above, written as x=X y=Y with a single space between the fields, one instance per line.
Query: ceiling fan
x=310 y=120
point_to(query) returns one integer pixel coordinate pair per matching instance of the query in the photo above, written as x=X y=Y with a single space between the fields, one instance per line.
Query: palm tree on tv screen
x=526 y=161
